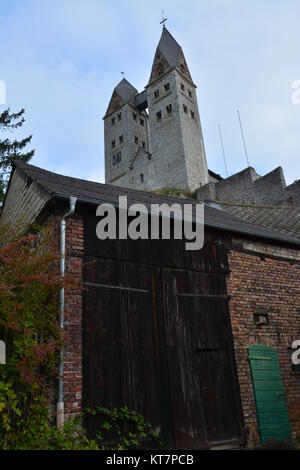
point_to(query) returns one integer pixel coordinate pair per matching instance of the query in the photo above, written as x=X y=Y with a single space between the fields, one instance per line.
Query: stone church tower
x=164 y=147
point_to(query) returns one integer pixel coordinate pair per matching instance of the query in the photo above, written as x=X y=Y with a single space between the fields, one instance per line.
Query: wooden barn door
x=205 y=397
x=159 y=341
x=119 y=347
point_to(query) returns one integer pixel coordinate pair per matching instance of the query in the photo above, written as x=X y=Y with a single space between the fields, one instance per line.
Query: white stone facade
x=171 y=144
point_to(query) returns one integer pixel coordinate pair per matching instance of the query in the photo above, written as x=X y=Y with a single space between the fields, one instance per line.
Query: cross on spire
x=163 y=19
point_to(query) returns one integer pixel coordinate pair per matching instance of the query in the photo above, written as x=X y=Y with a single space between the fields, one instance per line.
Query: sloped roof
x=168 y=55
x=126 y=91
x=59 y=186
x=169 y=47
x=123 y=93
x=285 y=219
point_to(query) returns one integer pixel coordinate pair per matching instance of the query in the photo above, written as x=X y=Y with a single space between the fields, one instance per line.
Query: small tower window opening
x=192 y=115
x=144 y=145
x=156 y=94
x=182 y=68
x=121 y=139
x=167 y=86
x=116 y=158
x=113 y=120
x=158 y=116
x=119 y=116
x=134 y=116
x=190 y=93
x=136 y=140
x=142 y=177
x=182 y=86
x=185 y=108
x=142 y=122
x=169 y=109
x=113 y=144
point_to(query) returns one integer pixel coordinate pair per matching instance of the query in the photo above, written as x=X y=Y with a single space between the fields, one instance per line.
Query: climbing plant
x=29 y=314
x=29 y=285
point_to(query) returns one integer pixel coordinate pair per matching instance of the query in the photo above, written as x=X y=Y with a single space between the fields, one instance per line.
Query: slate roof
x=126 y=91
x=285 y=219
x=140 y=100
x=95 y=193
x=169 y=47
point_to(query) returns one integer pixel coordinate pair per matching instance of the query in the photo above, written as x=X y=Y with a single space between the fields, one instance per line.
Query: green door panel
x=260 y=374
x=267 y=385
x=272 y=415
x=267 y=396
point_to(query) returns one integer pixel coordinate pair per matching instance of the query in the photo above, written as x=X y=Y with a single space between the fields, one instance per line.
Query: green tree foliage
x=11 y=149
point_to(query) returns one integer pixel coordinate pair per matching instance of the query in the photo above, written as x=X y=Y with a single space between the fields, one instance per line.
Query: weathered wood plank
x=24 y=200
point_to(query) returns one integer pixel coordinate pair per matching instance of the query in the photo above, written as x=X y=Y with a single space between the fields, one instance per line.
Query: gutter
x=60 y=399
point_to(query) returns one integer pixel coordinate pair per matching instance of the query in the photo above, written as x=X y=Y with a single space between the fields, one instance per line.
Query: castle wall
x=248 y=187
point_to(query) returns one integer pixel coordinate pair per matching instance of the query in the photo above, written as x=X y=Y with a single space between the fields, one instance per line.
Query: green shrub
x=122 y=429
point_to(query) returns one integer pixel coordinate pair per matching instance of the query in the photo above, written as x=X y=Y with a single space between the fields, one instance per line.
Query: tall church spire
x=168 y=55
x=176 y=141
x=164 y=147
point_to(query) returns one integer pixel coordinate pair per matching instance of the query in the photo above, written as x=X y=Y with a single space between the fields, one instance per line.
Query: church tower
x=176 y=141
x=125 y=136
x=164 y=147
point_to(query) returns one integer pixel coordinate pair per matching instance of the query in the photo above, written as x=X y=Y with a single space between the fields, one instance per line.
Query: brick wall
x=73 y=318
x=271 y=285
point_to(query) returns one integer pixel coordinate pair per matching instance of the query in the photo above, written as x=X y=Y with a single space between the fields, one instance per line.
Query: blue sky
x=60 y=60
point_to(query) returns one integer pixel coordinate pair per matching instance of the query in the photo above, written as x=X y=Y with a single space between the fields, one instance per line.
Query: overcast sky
x=61 y=59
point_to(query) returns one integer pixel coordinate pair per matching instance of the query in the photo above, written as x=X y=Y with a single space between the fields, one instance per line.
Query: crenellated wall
x=248 y=187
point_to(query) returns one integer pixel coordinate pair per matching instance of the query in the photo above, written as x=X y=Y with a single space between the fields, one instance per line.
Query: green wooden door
x=273 y=420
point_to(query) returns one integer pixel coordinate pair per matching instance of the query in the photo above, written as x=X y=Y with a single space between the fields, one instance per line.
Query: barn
x=199 y=342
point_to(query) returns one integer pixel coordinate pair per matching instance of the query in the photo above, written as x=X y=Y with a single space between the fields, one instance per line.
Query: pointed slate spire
x=168 y=55
x=169 y=48
x=123 y=93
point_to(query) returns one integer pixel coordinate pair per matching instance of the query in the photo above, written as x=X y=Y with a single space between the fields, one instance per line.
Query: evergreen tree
x=11 y=149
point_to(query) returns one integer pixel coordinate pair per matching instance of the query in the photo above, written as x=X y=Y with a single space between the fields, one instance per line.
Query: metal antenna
x=123 y=73
x=222 y=145
x=243 y=137
x=163 y=19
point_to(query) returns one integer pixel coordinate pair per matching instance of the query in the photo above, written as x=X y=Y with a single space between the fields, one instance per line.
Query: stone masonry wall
x=263 y=284
x=248 y=187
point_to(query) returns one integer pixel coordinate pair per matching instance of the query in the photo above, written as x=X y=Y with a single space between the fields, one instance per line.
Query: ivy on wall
x=29 y=286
